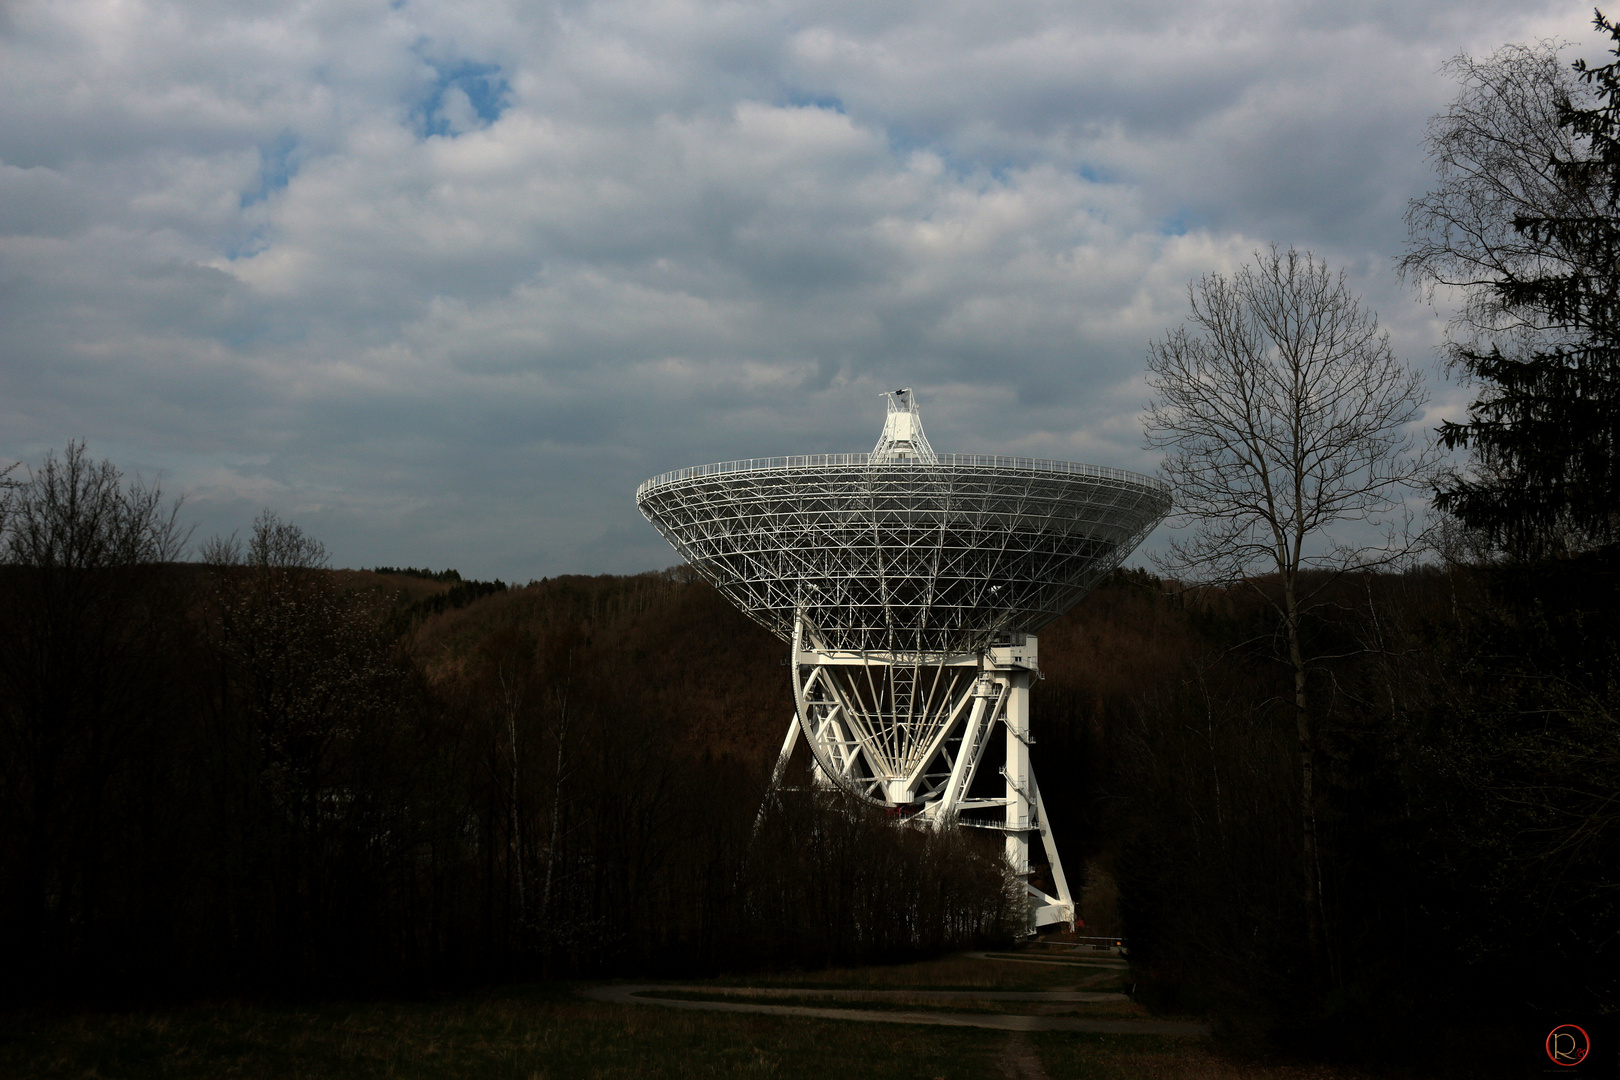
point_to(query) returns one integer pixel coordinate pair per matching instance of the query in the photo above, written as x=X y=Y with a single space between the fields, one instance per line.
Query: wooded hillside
x=254 y=774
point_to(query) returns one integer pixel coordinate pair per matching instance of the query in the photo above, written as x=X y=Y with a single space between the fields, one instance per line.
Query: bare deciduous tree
x=77 y=514
x=1282 y=413
x=1494 y=152
x=85 y=618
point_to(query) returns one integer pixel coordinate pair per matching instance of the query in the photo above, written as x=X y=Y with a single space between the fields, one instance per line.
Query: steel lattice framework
x=928 y=557
x=908 y=583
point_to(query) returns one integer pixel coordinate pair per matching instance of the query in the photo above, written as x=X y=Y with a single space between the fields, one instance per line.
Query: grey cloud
x=445 y=282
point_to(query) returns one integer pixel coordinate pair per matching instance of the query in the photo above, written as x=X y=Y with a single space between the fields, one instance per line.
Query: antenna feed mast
x=903 y=440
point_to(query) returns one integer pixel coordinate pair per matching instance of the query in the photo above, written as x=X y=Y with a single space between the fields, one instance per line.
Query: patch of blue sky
x=1180 y=223
x=278 y=164
x=804 y=99
x=247 y=244
x=991 y=166
x=904 y=141
x=486 y=90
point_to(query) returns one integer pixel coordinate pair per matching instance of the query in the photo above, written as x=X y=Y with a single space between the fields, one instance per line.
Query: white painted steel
x=909 y=584
x=904 y=557
x=903 y=438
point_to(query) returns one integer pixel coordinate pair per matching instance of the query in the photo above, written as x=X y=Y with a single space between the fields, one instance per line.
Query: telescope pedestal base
x=908 y=733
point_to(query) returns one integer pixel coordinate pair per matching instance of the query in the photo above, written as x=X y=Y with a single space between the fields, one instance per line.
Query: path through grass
x=552 y=1032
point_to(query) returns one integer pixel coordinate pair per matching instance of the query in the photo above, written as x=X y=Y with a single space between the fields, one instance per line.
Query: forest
x=251 y=773
x=254 y=773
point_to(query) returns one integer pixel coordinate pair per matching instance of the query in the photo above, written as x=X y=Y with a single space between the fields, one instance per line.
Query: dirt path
x=1052 y=959
x=633 y=994
x=1067 y=994
x=1019 y=1061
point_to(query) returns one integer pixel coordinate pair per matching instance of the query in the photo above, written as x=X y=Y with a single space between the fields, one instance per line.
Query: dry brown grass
x=901 y=1001
x=549 y=1032
x=1109 y=1057
x=949 y=973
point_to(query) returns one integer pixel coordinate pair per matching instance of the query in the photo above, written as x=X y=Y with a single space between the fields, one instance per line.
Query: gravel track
x=633 y=994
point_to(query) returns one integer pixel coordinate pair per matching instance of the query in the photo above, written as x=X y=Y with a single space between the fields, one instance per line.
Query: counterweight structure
x=910 y=586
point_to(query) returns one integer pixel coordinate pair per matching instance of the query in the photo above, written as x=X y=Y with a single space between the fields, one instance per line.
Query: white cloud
x=444 y=282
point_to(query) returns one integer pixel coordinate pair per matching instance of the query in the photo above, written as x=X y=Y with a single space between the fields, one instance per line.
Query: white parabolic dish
x=930 y=556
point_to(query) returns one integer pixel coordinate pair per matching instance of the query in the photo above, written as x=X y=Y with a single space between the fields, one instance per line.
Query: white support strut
x=875 y=731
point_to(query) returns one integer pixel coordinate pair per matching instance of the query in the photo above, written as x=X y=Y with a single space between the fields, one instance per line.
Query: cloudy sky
x=444 y=282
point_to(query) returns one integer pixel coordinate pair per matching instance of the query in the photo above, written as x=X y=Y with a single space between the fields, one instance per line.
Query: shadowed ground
x=1100 y=1008
x=641 y=993
x=982 y=1018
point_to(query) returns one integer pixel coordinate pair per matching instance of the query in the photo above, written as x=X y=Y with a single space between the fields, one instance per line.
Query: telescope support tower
x=908 y=732
x=908 y=583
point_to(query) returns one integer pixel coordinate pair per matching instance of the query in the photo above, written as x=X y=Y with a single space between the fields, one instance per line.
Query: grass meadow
x=548 y=1031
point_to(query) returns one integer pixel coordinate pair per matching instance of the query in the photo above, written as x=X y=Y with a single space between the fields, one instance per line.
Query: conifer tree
x=1545 y=429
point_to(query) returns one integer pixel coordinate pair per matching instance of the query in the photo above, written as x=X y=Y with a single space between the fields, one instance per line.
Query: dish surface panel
x=934 y=557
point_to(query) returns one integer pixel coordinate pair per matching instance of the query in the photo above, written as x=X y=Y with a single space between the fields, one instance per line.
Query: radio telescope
x=910 y=586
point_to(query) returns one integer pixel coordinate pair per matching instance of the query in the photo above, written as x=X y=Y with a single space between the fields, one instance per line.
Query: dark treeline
x=1469 y=760
x=254 y=774
x=419 y=572
x=458 y=595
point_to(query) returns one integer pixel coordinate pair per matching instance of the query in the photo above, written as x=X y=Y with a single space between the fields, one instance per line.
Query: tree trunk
x=556 y=812
x=1310 y=859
